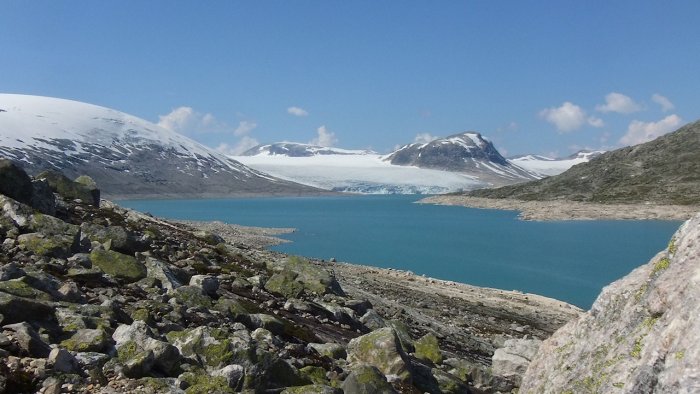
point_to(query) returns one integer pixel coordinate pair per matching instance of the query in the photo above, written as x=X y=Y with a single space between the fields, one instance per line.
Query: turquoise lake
x=567 y=260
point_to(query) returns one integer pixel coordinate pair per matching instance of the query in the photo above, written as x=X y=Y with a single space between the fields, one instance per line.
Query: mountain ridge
x=664 y=171
x=123 y=153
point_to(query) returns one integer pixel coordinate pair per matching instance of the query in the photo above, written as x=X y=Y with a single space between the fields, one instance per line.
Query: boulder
x=381 y=349
x=366 y=379
x=192 y=296
x=43 y=198
x=311 y=389
x=428 y=349
x=262 y=320
x=91 y=186
x=510 y=362
x=14 y=182
x=330 y=350
x=17 y=309
x=119 y=266
x=161 y=271
x=110 y=237
x=296 y=275
x=213 y=348
x=233 y=374
x=68 y=189
x=372 y=320
x=63 y=361
x=640 y=336
x=88 y=340
x=139 y=351
x=20 y=288
x=26 y=340
x=47 y=245
x=209 y=284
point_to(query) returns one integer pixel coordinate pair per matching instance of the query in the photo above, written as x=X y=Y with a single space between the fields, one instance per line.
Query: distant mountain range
x=295 y=149
x=663 y=171
x=462 y=161
x=125 y=155
x=133 y=158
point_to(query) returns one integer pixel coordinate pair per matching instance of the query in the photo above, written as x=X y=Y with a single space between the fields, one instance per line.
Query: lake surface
x=567 y=260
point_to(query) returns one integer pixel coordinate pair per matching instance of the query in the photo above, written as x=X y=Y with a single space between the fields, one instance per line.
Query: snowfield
x=548 y=166
x=360 y=173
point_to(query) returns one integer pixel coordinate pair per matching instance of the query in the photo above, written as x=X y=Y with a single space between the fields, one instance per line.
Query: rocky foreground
x=570 y=210
x=95 y=298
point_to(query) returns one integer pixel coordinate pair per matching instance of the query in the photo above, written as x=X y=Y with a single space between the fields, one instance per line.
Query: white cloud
x=241 y=146
x=424 y=138
x=639 y=132
x=567 y=117
x=618 y=102
x=595 y=122
x=185 y=120
x=177 y=120
x=325 y=137
x=663 y=101
x=296 y=111
x=244 y=127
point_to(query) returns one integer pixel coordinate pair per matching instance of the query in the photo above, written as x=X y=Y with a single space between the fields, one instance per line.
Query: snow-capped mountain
x=295 y=149
x=126 y=156
x=355 y=171
x=548 y=166
x=468 y=153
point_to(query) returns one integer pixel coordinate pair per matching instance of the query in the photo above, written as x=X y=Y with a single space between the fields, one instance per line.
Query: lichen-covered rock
x=640 y=336
x=192 y=296
x=285 y=284
x=139 y=351
x=203 y=383
x=233 y=374
x=428 y=349
x=118 y=265
x=47 y=245
x=331 y=350
x=68 y=189
x=381 y=349
x=366 y=379
x=111 y=237
x=295 y=275
x=21 y=288
x=213 y=348
x=262 y=320
x=310 y=389
x=15 y=309
x=373 y=321
x=91 y=186
x=88 y=340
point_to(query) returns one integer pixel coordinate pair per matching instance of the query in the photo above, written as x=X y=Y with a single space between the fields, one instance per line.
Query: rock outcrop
x=640 y=336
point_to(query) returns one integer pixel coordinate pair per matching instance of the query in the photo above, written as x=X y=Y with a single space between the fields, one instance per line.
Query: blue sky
x=534 y=76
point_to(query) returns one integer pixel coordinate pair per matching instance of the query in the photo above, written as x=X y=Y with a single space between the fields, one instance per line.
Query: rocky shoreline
x=95 y=298
x=570 y=210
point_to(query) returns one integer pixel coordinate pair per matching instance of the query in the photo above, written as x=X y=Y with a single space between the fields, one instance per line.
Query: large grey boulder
x=642 y=334
x=367 y=379
x=139 y=351
x=26 y=340
x=381 y=348
x=510 y=362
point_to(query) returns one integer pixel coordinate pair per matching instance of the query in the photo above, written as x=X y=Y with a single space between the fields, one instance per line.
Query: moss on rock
x=427 y=348
x=118 y=265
